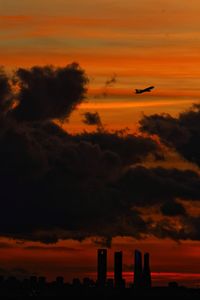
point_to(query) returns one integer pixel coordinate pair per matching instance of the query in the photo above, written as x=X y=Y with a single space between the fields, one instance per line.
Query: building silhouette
x=101 y=267
x=59 y=280
x=118 y=280
x=138 y=269
x=146 y=274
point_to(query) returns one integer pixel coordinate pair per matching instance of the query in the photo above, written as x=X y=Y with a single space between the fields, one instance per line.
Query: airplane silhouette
x=148 y=89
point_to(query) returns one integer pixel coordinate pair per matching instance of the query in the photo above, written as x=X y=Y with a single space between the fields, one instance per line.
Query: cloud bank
x=55 y=185
x=182 y=133
x=47 y=93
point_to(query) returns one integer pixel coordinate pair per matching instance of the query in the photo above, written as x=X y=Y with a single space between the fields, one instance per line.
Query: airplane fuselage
x=140 y=91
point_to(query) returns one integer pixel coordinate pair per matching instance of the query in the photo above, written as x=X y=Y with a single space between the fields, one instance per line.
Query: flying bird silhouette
x=140 y=91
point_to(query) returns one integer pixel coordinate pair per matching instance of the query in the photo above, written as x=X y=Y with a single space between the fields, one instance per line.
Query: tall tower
x=118 y=269
x=138 y=269
x=146 y=274
x=101 y=267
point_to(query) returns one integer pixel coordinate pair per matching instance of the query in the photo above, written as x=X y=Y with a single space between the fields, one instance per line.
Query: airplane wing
x=148 y=88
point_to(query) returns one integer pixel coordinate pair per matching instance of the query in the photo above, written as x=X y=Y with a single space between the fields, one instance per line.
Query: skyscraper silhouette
x=138 y=269
x=102 y=267
x=118 y=269
x=146 y=274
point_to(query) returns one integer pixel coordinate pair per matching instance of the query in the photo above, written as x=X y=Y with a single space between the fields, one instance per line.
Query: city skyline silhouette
x=101 y=287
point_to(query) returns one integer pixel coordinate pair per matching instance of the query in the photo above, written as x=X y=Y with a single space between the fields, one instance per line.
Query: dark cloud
x=52 y=248
x=111 y=81
x=75 y=187
x=55 y=182
x=188 y=229
x=108 y=84
x=48 y=92
x=181 y=133
x=172 y=208
x=78 y=190
x=6 y=96
x=142 y=187
x=148 y=186
x=130 y=148
x=64 y=186
x=92 y=119
x=55 y=185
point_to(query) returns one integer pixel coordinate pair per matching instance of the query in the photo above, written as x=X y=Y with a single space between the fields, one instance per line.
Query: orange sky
x=142 y=42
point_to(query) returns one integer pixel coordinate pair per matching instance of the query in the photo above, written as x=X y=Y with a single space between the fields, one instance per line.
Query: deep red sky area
x=169 y=260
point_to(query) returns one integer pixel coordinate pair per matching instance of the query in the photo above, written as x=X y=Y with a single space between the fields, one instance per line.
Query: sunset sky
x=142 y=42
x=138 y=43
